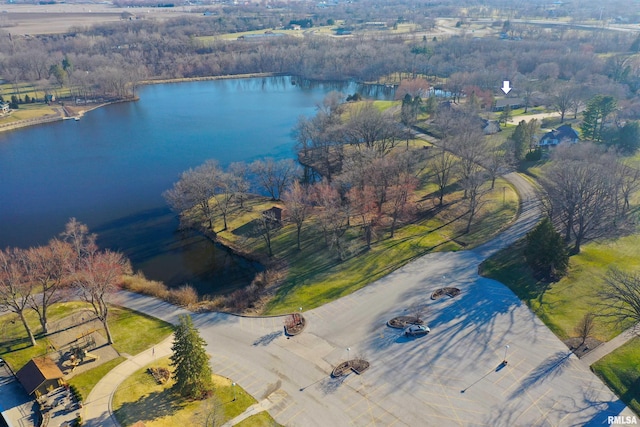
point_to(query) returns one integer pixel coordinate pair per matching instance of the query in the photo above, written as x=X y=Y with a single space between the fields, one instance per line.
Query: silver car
x=416 y=330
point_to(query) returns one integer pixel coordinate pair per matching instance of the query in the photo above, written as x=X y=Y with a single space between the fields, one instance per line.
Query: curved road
x=451 y=377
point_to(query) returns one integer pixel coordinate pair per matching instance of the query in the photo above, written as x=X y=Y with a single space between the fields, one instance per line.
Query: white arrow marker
x=505 y=87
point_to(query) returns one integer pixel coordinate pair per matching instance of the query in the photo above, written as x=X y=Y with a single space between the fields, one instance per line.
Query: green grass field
x=87 y=380
x=315 y=274
x=619 y=370
x=140 y=398
x=125 y=326
x=561 y=305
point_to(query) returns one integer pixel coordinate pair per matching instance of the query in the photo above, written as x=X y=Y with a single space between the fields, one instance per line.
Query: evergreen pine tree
x=520 y=140
x=546 y=252
x=192 y=372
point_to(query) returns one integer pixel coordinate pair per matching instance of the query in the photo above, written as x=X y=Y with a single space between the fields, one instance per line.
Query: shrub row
x=187 y=296
x=184 y=296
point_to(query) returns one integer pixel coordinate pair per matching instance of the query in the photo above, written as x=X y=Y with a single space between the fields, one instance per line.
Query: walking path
x=97 y=407
x=461 y=380
x=605 y=348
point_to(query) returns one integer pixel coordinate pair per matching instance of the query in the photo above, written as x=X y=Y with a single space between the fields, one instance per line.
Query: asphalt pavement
x=455 y=376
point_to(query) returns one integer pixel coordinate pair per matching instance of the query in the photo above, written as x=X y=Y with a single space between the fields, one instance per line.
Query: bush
x=534 y=156
x=75 y=393
x=183 y=296
x=141 y=285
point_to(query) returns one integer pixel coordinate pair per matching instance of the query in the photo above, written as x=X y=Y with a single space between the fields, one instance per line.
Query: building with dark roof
x=40 y=375
x=564 y=133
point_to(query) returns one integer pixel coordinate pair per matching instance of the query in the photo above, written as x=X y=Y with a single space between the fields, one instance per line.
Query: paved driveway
x=451 y=377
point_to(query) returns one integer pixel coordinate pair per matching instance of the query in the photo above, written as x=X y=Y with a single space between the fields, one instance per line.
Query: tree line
x=69 y=265
x=546 y=67
x=359 y=173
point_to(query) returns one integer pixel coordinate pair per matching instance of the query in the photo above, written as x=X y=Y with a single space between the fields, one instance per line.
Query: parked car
x=416 y=330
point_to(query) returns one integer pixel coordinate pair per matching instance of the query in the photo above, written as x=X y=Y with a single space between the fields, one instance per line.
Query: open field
x=27 y=19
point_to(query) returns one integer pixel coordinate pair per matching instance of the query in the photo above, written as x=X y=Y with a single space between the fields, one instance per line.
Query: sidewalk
x=97 y=408
x=605 y=348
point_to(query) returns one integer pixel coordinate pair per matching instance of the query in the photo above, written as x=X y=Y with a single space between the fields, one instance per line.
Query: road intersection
x=451 y=377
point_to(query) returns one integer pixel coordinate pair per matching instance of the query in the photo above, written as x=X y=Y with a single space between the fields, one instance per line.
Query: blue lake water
x=110 y=168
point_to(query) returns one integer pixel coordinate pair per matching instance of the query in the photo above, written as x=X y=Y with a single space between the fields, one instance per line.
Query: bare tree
x=585 y=326
x=628 y=184
x=266 y=227
x=332 y=216
x=98 y=278
x=470 y=145
x=564 y=99
x=48 y=266
x=582 y=188
x=499 y=161
x=82 y=242
x=195 y=189
x=15 y=288
x=275 y=176
x=400 y=198
x=319 y=141
x=442 y=164
x=472 y=185
x=371 y=128
x=620 y=298
x=297 y=202
x=241 y=185
x=225 y=190
x=363 y=204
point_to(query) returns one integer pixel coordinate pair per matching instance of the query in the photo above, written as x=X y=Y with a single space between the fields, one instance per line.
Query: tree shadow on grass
x=155 y=405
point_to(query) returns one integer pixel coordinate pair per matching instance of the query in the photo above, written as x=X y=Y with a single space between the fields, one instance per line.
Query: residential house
x=490 y=127
x=4 y=107
x=564 y=133
x=513 y=103
x=40 y=375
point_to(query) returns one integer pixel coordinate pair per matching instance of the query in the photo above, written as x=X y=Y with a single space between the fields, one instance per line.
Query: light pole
x=504 y=361
x=233 y=386
x=348 y=349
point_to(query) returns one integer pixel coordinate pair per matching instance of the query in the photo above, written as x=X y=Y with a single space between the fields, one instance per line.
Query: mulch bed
x=294 y=324
x=402 y=322
x=161 y=375
x=450 y=292
x=356 y=365
x=579 y=349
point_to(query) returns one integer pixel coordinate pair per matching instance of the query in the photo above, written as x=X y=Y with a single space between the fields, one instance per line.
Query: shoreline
x=66 y=112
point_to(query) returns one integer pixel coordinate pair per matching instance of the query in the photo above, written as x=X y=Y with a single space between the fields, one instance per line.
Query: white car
x=416 y=330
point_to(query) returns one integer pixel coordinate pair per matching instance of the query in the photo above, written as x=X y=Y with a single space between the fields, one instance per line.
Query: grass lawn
x=619 y=370
x=140 y=398
x=125 y=326
x=316 y=276
x=134 y=332
x=28 y=111
x=87 y=380
x=561 y=305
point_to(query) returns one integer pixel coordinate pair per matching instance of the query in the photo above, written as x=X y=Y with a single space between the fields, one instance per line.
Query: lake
x=110 y=168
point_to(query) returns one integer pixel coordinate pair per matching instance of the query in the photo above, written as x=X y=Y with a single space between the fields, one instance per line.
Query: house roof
x=563 y=132
x=509 y=101
x=36 y=372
